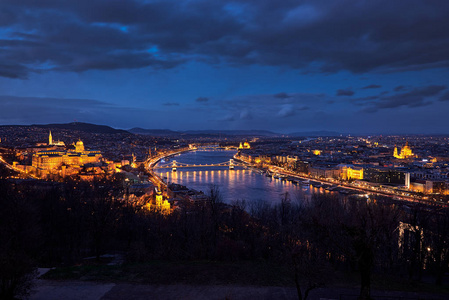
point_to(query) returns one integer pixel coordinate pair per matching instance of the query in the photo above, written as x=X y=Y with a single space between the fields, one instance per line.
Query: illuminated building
x=351 y=172
x=45 y=161
x=159 y=198
x=134 y=164
x=406 y=152
x=53 y=143
x=244 y=145
x=163 y=206
x=429 y=186
x=317 y=152
x=324 y=171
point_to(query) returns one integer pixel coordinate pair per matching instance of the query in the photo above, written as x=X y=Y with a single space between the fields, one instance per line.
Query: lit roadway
x=13 y=168
x=388 y=193
x=153 y=161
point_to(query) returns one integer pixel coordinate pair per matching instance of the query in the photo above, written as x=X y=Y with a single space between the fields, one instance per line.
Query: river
x=237 y=184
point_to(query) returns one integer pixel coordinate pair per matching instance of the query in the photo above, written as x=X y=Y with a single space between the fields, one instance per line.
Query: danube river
x=238 y=184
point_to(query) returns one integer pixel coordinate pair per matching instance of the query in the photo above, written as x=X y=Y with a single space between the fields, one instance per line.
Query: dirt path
x=90 y=290
x=71 y=290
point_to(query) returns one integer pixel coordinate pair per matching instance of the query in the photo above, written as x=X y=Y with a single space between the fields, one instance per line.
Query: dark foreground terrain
x=208 y=280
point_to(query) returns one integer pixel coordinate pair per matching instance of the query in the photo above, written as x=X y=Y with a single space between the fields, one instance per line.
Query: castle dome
x=79 y=146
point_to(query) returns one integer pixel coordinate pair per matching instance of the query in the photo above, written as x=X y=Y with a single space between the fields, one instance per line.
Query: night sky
x=360 y=67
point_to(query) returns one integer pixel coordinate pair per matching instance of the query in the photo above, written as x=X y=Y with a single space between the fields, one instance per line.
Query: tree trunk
x=365 y=264
x=365 y=290
x=298 y=287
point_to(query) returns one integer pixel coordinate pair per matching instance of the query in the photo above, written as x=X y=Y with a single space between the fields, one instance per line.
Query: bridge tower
x=231 y=164
x=174 y=166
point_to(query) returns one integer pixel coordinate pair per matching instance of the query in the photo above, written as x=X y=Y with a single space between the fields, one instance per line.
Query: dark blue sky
x=349 y=66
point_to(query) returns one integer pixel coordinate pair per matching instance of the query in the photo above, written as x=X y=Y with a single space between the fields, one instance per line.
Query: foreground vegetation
x=298 y=243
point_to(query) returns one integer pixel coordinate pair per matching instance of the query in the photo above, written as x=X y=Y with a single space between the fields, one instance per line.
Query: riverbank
x=149 y=165
x=348 y=186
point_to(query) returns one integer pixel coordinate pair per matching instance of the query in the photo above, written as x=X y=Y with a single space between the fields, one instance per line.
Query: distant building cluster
x=374 y=163
x=420 y=166
x=57 y=161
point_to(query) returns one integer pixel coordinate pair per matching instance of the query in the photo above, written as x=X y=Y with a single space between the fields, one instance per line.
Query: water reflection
x=234 y=184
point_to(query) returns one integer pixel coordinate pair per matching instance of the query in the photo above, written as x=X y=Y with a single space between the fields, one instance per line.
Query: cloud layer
x=317 y=36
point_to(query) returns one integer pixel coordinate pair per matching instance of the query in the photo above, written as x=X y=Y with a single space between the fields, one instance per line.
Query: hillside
x=84 y=127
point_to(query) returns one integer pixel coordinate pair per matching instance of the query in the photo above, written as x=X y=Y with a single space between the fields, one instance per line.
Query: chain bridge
x=174 y=165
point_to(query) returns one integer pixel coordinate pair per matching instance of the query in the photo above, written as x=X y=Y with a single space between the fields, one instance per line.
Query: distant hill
x=216 y=133
x=233 y=132
x=315 y=133
x=85 y=127
x=154 y=132
x=93 y=128
x=168 y=132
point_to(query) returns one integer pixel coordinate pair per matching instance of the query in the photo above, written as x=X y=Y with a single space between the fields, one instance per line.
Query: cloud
x=281 y=95
x=171 y=104
x=287 y=110
x=202 y=99
x=371 y=86
x=345 y=93
x=13 y=71
x=245 y=115
x=399 y=88
x=263 y=110
x=414 y=98
x=315 y=36
x=227 y=118
x=417 y=97
x=445 y=96
x=367 y=99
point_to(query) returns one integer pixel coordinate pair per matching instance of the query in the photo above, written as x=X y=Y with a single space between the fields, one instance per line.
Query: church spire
x=50 y=139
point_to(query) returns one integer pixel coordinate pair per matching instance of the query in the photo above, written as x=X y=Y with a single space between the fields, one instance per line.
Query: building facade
x=406 y=152
x=44 y=162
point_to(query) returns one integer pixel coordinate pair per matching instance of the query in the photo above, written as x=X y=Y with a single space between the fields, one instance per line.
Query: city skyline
x=376 y=67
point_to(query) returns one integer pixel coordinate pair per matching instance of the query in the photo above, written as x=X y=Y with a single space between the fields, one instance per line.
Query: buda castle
x=45 y=162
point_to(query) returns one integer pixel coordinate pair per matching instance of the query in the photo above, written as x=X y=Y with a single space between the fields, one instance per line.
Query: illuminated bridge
x=174 y=165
